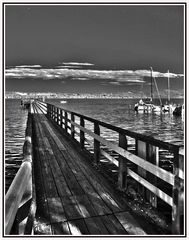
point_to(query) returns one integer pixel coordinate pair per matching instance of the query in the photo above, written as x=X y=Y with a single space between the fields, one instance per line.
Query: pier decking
x=71 y=197
x=70 y=194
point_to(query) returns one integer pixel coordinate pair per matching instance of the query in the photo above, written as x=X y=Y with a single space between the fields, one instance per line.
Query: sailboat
x=147 y=105
x=168 y=107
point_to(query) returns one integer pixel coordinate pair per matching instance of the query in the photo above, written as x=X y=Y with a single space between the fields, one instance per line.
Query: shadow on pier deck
x=72 y=198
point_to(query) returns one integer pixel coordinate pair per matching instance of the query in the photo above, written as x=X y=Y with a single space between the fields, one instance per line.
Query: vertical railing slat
x=178 y=195
x=96 y=144
x=152 y=157
x=82 y=134
x=122 y=169
x=72 y=126
x=66 y=121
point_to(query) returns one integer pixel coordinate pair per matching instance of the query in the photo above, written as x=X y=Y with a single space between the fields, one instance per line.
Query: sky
x=93 y=48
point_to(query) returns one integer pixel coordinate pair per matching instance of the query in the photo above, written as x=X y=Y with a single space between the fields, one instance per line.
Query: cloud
x=70 y=66
x=29 y=66
x=115 y=77
x=81 y=79
x=77 y=63
x=131 y=79
x=147 y=73
x=115 y=83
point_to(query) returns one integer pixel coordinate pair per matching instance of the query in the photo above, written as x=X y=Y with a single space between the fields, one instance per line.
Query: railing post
x=152 y=157
x=48 y=110
x=82 y=134
x=141 y=152
x=96 y=144
x=66 y=121
x=53 y=112
x=72 y=126
x=57 y=115
x=122 y=171
x=61 y=118
x=178 y=195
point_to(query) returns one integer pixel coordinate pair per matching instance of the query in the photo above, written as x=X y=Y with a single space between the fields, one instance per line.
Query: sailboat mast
x=168 y=83
x=151 y=83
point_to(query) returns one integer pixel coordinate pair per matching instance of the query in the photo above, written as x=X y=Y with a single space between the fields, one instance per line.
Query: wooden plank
x=42 y=208
x=113 y=225
x=98 y=204
x=76 y=170
x=157 y=171
x=53 y=135
x=60 y=228
x=85 y=206
x=129 y=223
x=96 y=226
x=109 y=157
x=48 y=178
x=56 y=210
x=78 y=227
x=41 y=228
x=82 y=203
x=165 y=197
x=111 y=202
x=71 y=208
x=46 y=171
x=72 y=211
x=69 y=177
x=42 y=214
x=59 y=179
x=105 y=195
x=91 y=176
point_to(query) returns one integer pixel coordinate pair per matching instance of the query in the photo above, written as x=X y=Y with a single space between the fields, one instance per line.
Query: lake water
x=118 y=112
x=15 y=125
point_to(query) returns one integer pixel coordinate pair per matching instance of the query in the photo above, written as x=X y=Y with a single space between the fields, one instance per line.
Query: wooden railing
x=20 y=199
x=144 y=159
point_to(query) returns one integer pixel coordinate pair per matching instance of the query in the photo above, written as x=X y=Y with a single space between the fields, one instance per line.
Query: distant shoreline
x=52 y=95
x=65 y=98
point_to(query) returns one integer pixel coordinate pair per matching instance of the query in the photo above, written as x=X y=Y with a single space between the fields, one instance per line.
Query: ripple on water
x=15 y=125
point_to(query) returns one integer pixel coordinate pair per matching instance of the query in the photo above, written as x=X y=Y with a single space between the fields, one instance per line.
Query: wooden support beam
x=66 y=121
x=141 y=152
x=152 y=157
x=96 y=144
x=72 y=126
x=178 y=195
x=122 y=171
x=82 y=134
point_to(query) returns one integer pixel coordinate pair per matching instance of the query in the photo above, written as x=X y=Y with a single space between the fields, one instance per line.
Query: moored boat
x=63 y=101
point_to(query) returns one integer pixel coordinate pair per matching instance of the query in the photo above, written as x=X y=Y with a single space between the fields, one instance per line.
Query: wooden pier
x=60 y=190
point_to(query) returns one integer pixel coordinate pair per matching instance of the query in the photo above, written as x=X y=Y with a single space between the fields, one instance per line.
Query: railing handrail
x=139 y=136
x=15 y=194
